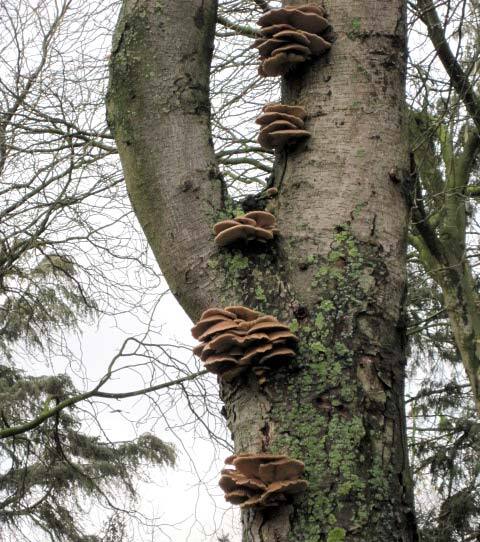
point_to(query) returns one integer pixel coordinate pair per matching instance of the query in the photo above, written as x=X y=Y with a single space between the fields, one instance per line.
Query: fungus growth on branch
x=281 y=126
x=261 y=480
x=291 y=35
x=236 y=339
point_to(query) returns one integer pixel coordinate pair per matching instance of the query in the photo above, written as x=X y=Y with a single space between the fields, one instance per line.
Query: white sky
x=189 y=501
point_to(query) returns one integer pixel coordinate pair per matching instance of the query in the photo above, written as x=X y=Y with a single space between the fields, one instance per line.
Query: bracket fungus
x=253 y=226
x=261 y=480
x=235 y=339
x=281 y=125
x=290 y=36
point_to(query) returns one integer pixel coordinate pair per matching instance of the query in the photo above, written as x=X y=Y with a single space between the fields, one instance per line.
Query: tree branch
x=159 y=109
x=50 y=412
x=242 y=30
x=429 y=16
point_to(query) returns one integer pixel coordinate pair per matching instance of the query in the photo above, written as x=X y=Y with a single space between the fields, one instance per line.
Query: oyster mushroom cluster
x=261 y=480
x=281 y=126
x=235 y=339
x=255 y=225
x=290 y=36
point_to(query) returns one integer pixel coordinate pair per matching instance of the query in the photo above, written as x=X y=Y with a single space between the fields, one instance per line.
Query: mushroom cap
x=225 y=356
x=244 y=312
x=283 y=138
x=280 y=64
x=238 y=496
x=292 y=48
x=214 y=312
x=219 y=364
x=229 y=460
x=268 y=118
x=197 y=350
x=318 y=45
x=264 y=318
x=277 y=125
x=253 y=501
x=266 y=235
x=224 y=225
x=235 y=233
x=227 y=480
x=295 y=110
x=267 y=46
x=283 y=469
x=270 y=31
x=295 y=36
x=264 y=141
x=267 y=326
x=231 y=480
x=203 y=325
x=224 y=325
x=249 y=464
x=283 y=336
x=277 y=354
x=224 y=342
x=255 y=351
x=301 y=18
x=243 y=325
x=310 y=8
x=308 y=21
x=285 y=487
x=245 y=220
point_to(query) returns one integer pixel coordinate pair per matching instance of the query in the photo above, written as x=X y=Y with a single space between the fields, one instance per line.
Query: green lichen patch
x=323 y=421
x=249 y=275
x=336 y=535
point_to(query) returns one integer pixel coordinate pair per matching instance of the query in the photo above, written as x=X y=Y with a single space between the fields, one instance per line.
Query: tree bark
x=337 y=273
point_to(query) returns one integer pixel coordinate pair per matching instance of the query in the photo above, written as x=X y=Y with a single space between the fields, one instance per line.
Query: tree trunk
x=337 y=273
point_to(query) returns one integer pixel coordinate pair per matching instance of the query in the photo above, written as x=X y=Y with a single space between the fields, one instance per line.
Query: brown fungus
x=262 y=480
x=296 y=110
x=282 y=138
x=267 y=118
x=290 y=36
x=253 y=226
x=279 y=64
x=237 y=339
x=281 y=126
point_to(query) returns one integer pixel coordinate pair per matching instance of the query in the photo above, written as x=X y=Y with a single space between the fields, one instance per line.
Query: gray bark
x=337 y=273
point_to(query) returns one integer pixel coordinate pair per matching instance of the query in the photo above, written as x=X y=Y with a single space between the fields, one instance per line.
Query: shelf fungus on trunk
x=236 y=339
x=253 y=226
x=262 y=480
x=281 y=126
x=290 y=36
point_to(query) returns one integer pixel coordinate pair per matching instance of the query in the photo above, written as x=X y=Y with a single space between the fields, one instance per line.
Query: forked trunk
x=337 y=273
